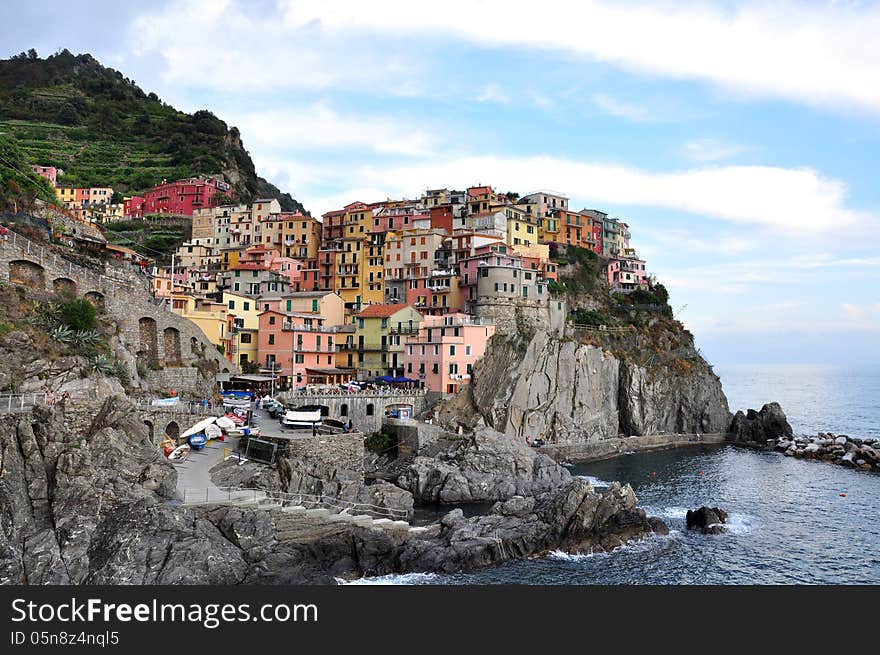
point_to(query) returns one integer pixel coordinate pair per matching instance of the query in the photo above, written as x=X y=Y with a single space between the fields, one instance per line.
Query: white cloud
x=711 y=150
x=826 y=54
x=493 y=93
x=615 y=107
x=798 y=201
x=320 y=127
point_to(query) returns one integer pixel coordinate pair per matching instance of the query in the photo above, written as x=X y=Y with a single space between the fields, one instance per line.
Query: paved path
x=193 y=474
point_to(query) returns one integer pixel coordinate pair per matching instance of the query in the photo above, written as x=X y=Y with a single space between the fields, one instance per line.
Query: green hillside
x=71 y=112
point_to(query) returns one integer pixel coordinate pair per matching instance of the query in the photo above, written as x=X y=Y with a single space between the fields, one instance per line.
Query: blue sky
x=739 y=140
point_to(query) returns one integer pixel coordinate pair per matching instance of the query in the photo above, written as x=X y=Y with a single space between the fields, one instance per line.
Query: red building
x=49 y=172
x=133 y=207
x=182 y=197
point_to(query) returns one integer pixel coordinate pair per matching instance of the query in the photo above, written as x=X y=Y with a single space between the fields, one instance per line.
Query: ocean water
x=815 y=398
x=788 y=520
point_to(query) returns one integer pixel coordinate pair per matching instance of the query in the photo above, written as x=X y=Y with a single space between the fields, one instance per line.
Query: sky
x=739 y=140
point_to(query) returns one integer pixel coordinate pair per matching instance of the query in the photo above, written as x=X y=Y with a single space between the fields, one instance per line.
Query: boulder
x=708 y=520
x=756 y=427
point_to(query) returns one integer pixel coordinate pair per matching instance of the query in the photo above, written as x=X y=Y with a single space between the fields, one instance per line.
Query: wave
x=394 y=579
x=736 y=523
x=593 y=480
x=650 y=542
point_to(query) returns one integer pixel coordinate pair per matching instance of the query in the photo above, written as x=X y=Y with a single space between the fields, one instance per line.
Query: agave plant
x=101 y=364
x=62 y=334
x=86 y=337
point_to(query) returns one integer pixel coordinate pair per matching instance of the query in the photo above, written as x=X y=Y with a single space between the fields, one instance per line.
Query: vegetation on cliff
x=71 y=112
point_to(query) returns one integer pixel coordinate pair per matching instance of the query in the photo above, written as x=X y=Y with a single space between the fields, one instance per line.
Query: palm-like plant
x=86 y=337
x=101 y=364
x=62 y=334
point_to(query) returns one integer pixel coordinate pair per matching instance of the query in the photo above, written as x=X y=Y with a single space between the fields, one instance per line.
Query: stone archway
x=172 y=347
x=96 y=298
x=64 y=286
x=343 y=410
x=194 y=346
x=172 y=429
x=27 y=273
x=148 y=347
x=150 y=431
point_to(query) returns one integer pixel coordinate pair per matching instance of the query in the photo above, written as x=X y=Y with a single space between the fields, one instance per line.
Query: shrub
x=78 y=314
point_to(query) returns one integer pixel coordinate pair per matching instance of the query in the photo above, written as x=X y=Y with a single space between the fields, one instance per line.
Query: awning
x=330 y=371
x=253 y=378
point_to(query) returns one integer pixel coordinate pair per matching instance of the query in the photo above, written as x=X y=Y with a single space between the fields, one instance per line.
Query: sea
x=790 y=521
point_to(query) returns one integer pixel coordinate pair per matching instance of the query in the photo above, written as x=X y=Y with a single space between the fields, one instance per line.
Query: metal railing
x=15 y=403
x=391 y=391
x=187 y=406
x=600 y=328
x=198 y=496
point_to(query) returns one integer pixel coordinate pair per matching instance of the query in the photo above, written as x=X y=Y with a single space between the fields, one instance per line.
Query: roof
x=381 y=311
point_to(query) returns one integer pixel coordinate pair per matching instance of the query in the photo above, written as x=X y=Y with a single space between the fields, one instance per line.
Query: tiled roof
x=381 y=311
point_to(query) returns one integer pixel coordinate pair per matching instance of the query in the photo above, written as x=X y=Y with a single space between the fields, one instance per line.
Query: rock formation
x=478 y=467
x=760 y=428
x=708 y=520
x=848 y=451
x=576 y=393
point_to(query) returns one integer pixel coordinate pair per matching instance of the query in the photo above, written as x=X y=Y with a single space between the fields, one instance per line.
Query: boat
x=201 y=426
x=235 y=418
x=179 y=454
x=214 y=431
x=198 y=441
x=298 y=419
x=225 y=423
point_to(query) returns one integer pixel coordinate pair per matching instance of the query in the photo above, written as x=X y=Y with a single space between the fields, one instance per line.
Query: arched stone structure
x=64 y=285
x=148 y=346
x=96 y=298
x=27 y=273
x=172 y=429
x=343 y=409
x=171 y=337
x=150 y=430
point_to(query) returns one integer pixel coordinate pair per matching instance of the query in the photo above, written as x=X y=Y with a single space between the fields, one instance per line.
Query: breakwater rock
x=841 y=449
x=760 y=428
x=708 y=520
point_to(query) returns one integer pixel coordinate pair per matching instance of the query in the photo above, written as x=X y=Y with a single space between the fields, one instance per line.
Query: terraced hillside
x=101 y=128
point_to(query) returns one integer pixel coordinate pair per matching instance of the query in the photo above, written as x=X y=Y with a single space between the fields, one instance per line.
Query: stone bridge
x=172 y=421
x=365 y=409
x=158 y=340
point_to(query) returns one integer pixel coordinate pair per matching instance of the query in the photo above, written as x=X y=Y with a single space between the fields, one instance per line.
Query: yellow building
x=245 y=312
x=210 y=316
x=373 y=273
x=380 y=338
x=522 y=229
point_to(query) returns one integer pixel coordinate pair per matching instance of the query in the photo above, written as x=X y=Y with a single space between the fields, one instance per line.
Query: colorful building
x=299 y=348
x=183 y=197
x=445 y=350
x=380 y=335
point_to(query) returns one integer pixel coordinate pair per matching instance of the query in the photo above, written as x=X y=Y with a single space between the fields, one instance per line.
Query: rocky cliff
x=96 y=505
x=575 y=392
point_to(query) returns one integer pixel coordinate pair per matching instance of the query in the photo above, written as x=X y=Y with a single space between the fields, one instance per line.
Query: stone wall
x=412 y=436
x=513 y=316
x=150 y=334
x=337 y=451
x=366 y=411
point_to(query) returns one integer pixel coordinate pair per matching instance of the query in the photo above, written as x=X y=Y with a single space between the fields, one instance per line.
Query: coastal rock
x=708 y=520
x=484 y=466
x=757 y=428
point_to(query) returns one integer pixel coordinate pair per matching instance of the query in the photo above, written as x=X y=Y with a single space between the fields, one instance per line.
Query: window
x=231 y=304
x=467 y=350
x=298 y=358
x=315 y=305
x=370 y=409
x=453 y=369
x=271 y=320
x=271 y=339
x=245 y=337
x=452 y=351
x=247 y=306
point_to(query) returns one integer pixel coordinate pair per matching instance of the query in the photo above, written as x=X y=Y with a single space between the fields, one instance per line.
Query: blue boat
x=198 y=441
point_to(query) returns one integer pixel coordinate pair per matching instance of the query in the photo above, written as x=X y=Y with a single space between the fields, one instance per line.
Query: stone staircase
x=294 y=520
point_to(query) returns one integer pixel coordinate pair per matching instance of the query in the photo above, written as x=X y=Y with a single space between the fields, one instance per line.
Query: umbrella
x=385 y=378
x=401 y=379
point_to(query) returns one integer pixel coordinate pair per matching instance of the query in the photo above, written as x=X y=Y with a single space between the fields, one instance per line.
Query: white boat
x=179 y=454
x=226 y=424
x=301 y=420
x=199 y=427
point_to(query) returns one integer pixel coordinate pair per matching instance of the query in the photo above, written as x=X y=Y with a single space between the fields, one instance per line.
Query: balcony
x=405 y=329
x=302 y=327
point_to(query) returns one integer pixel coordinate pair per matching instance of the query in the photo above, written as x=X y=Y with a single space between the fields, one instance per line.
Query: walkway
x=193 y=474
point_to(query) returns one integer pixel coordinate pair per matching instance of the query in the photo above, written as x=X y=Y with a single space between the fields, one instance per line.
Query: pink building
x=496 y=254
x=444 y=352
x=627 y=274
x=133 y=207
x=49 y=172
x=271 y=260
x=299 y=348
